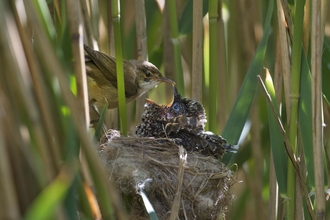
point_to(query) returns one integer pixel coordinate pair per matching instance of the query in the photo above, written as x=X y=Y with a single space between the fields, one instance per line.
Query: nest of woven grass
x=186 y=185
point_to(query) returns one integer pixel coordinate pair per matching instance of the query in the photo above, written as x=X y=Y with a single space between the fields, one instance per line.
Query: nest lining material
x=187 y=185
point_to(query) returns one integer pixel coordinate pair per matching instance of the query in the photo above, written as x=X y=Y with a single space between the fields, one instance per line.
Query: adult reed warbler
x=139 y=76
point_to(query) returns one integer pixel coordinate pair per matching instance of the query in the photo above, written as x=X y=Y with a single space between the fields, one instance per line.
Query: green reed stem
x=294 y=99
x=119 y=66
x=176 y=44
x=213 y=15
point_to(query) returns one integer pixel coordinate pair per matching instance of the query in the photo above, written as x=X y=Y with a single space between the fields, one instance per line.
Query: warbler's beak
x=166 y=80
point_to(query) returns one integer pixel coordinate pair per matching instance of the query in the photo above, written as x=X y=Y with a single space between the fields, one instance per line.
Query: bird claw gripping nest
x=183 y=120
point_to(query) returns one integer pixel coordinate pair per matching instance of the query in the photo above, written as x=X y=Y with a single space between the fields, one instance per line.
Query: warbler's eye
x=147 y=73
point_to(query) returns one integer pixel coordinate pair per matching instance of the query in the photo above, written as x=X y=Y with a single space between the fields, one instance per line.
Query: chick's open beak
x=152 y=102
x=175 y=93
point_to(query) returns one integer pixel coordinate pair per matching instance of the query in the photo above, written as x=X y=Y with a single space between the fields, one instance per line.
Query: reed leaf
x=305 y=118
x=151 y=212
x=239 y=114
x=45 y=18
x=326 y=68
x=300 y=173
x=45 y=205
x=83 y=200
x=277 y=142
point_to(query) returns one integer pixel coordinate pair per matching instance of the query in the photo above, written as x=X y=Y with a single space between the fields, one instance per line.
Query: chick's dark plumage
x=184 y=113
x=153 y=121
x=183 y=121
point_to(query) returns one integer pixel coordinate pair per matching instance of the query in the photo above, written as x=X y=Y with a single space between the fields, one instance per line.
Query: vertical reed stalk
x=95 y=18
x=115 y=7
x=76 y=33
x=197 y=51
x=41 y=94
x=141 y=44
x=174 y=30
x=233 y=55
x=20 y=87
x=168 y=51
x=105 y=190
x=9 y=208
x=87 y=24
x=273 y=186
x=213 y=94
x=112 y=116
x=222 y=71
x=141 y=33
x=75 y=26
x=316 y=70
x=285 y=57
x=307 y=26
x=291 y=210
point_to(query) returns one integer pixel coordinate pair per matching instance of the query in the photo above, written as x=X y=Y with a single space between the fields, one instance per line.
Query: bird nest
x=177 y=183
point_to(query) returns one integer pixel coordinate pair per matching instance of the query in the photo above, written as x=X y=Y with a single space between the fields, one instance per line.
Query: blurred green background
x=214 y=50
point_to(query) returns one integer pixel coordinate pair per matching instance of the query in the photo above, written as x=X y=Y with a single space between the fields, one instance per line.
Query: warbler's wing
x=105 y=63
x=107 y=66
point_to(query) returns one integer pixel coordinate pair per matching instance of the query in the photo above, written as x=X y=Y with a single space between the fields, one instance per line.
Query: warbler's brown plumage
x=140 y=76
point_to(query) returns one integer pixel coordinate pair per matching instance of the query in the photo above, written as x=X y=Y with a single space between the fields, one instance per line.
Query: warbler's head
x=148 y=75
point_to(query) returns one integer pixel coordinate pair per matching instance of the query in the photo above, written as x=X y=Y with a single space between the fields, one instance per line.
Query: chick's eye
x=147 y=73
x=177 y=107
